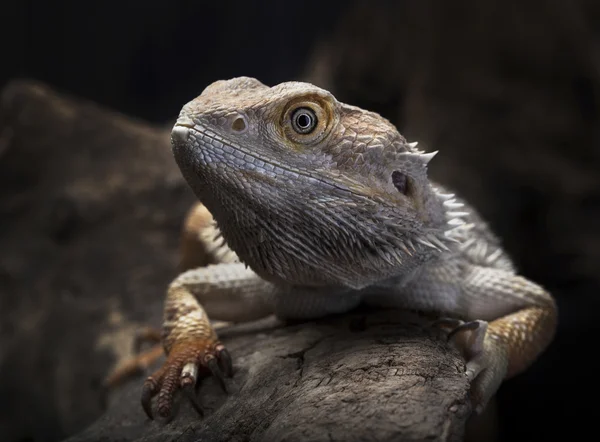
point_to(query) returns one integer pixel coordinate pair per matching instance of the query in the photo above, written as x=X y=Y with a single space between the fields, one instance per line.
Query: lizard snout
x=181 y=130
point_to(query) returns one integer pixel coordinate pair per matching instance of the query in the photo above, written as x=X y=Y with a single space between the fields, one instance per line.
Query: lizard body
x=323 y=206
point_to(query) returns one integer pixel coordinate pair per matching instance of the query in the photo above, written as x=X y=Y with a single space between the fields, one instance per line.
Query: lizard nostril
x=239 y=124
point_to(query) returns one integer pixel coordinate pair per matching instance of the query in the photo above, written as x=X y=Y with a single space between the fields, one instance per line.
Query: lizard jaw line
x=184 y=128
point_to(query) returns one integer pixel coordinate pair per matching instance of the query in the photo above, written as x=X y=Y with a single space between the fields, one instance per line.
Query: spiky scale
x=428 y=156
x=457 y=214
x=451 y=204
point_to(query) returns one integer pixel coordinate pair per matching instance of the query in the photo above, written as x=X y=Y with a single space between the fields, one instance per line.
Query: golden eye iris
x=304 y=120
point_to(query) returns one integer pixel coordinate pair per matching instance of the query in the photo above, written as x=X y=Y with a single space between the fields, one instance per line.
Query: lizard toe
x=486 y=372
x=469 y=337
x=485 y=357
x=185 y=364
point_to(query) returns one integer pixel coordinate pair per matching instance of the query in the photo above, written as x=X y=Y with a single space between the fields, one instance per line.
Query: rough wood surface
x=371 y=376
x=91 y=208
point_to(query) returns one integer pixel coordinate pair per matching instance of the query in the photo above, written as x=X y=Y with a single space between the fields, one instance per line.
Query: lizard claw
x=224 y=359
x=447 y=323
x=213 y=366
x=180 y=371
x=148 y=390
x=468 y=336
x=485 y=357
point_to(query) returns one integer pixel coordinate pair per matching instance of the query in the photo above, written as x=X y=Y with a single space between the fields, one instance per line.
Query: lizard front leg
x=229 y=292
x=201 y=245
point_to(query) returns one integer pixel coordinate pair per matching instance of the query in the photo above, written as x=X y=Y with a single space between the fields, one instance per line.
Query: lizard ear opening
x=400 y=182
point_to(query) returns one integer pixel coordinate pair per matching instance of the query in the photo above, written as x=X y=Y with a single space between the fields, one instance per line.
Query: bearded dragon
x=323 y=206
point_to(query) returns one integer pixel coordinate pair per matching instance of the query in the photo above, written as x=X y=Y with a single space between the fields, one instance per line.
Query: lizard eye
x=304 y=120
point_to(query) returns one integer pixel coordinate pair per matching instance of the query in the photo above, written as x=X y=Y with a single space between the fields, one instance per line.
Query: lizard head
x=305 y=189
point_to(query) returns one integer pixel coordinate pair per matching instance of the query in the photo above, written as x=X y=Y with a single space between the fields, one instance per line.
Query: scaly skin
x=329 y=206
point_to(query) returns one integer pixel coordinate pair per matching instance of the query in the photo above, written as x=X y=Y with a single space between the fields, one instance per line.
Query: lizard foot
x=486 y=360
x=180 y=371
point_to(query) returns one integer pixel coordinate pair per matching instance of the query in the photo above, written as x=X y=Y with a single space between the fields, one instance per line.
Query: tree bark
x=381 y=376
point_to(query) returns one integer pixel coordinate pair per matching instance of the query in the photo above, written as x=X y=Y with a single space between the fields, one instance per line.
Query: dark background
x=507 y=91
x=147 y=58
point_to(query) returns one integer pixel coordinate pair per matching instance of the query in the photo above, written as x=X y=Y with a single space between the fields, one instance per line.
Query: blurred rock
x=91 y=205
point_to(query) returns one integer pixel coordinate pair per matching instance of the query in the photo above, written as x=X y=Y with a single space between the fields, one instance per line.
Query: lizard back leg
x=526 y=334
x=201 y=242
x=522 y=321
x=510 y=320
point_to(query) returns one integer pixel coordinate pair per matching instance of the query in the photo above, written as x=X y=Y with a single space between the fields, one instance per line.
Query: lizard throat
x=272 y=218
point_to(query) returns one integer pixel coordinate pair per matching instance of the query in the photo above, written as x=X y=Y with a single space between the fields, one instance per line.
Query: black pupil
x=304 y=121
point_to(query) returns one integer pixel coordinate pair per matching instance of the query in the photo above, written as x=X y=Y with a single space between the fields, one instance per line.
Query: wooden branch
x=383 y=376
